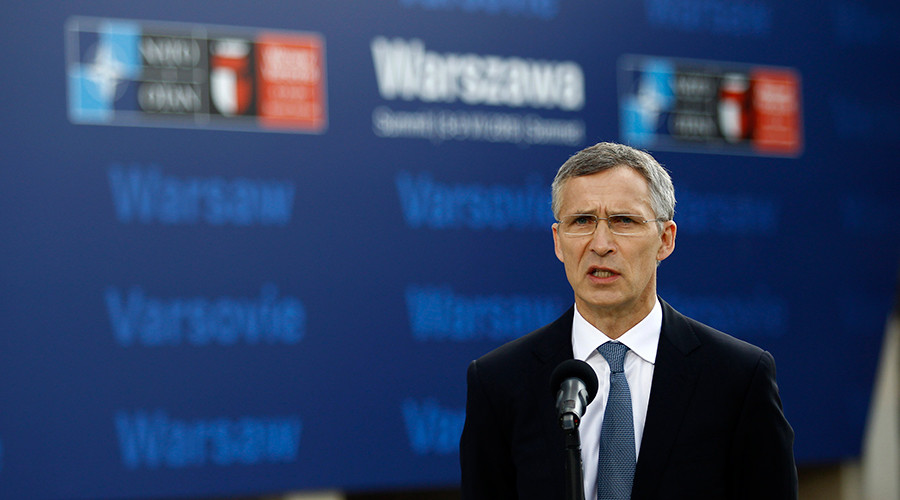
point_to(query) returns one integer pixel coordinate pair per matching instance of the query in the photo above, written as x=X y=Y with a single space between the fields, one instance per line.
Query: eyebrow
x=609 y=212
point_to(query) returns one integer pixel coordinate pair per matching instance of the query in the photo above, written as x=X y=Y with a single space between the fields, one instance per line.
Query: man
x=708 y=421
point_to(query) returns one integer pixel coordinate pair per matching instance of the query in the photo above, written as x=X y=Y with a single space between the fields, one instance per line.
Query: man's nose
x=603 y=240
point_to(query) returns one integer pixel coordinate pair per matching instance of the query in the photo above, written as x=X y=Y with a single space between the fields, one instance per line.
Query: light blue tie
x=617 y=453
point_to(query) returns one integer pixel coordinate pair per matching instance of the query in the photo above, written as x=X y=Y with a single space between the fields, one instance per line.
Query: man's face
x=613 y=276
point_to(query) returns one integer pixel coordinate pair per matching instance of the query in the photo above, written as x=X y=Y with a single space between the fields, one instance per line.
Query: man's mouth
x=602 y=273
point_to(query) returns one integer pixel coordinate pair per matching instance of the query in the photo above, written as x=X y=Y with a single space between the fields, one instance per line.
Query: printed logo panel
x=183 y=75
x=475 y=97
x=704 y=106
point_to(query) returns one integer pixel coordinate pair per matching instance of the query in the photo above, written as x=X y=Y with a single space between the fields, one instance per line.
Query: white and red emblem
x=230 y=76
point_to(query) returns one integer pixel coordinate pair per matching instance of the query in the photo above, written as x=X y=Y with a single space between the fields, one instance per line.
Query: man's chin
x=602 y=303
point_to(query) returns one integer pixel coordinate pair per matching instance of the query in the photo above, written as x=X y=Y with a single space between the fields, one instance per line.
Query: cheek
x=647 y=258
x=570 y=256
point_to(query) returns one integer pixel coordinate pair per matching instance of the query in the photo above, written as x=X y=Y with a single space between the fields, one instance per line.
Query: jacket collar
x=674 y=379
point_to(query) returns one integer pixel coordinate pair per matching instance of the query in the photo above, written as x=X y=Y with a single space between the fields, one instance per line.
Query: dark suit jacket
x=714 y=429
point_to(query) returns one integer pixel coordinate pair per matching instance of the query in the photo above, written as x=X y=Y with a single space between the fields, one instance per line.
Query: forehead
x=616 y=189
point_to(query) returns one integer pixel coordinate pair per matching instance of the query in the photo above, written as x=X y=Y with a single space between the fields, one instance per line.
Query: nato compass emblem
x=103 y=64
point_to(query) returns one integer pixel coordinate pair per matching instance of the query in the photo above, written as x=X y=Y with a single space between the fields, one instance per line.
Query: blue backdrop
x=252 y=248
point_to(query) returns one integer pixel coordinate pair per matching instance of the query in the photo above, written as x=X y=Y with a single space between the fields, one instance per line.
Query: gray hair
x=607 y=155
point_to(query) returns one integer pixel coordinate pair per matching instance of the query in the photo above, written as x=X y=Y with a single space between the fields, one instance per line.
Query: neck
x=615 y=322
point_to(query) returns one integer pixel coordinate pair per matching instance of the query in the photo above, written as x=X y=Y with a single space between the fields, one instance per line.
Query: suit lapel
x=554 y=348
x=674 y=380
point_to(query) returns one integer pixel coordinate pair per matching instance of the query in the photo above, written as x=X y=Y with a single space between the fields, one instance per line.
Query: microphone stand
x=574 y=467
x=576 y=383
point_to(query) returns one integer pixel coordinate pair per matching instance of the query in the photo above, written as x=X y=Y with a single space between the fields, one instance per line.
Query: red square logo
x=777 y=111
x=291 y=86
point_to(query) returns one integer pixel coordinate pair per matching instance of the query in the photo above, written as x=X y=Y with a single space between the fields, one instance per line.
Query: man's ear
x=556 y=248
x=667 y=240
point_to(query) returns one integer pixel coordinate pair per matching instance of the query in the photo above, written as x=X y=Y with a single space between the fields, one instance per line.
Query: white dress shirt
x=641 y=340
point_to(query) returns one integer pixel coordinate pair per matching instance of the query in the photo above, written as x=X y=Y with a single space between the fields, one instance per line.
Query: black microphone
x=575 y=384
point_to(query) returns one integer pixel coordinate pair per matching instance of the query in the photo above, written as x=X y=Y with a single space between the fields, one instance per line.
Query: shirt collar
x=642 y=338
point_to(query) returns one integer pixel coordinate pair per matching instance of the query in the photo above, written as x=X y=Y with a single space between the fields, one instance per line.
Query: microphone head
x=575 y=368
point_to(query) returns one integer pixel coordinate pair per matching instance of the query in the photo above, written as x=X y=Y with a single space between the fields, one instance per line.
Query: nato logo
x=154 y=74
x=644 y=111
x=103 y=63
x=706 y=106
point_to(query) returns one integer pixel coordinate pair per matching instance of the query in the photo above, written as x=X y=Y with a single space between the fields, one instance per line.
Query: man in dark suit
x=708 y=421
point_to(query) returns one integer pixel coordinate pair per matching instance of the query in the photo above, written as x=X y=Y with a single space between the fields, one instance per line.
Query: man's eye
x=582 y=220
x=622 y=220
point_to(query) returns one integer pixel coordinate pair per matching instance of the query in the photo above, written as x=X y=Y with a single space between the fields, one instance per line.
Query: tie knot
x=614 y=352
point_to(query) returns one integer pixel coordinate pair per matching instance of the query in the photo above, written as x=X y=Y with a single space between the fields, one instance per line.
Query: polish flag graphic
x=230 y=79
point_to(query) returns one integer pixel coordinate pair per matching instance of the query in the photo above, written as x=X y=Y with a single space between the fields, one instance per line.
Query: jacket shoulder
x=545 y=342
x=688 y=334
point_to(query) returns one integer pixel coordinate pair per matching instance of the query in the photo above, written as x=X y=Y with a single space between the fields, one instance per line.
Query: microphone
x=575 y=384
